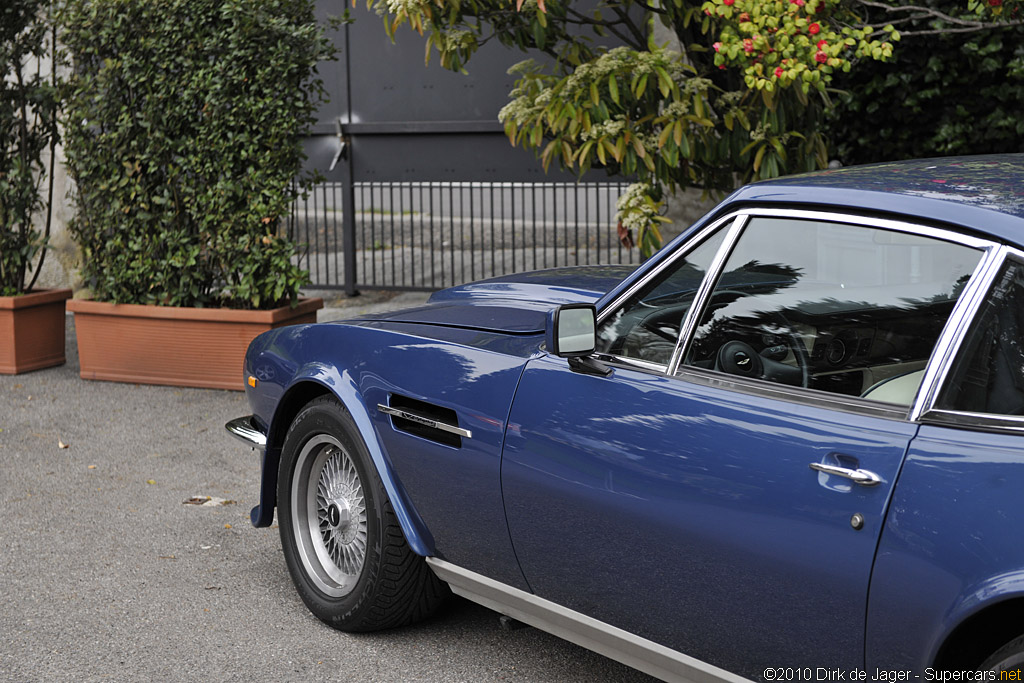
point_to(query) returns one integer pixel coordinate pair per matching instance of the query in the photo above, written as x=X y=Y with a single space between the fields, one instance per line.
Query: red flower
x=778 y=72
x=729 y=3
x=748 y=45
x=995 y=3
x=822 y=44
x=798 y=3
x=744 y=16
x=814 y=29
x=717 y=46
x=820 y=57
x=722 y=67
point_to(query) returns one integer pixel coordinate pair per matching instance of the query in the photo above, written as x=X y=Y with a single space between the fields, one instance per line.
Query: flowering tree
x=741 y=92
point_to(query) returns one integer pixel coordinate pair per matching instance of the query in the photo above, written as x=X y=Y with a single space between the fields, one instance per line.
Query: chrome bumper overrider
x=245 y=430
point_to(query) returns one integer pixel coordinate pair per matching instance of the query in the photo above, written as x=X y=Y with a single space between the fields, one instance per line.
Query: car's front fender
x=316 y=379
x=447 y=496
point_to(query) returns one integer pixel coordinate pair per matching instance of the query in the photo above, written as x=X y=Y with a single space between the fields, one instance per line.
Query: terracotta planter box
x=32 y=330
x=188 y=347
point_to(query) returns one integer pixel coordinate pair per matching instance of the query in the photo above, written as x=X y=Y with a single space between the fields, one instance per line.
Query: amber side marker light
x=252 y=381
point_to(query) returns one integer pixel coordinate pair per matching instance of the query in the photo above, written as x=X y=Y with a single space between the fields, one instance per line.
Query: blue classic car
x=788 y=447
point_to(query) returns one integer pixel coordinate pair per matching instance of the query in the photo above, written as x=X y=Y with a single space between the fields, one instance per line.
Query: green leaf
x=539 y=34
x=759 y=157
x=664 y=82
x=663 y=137
x=641 y=86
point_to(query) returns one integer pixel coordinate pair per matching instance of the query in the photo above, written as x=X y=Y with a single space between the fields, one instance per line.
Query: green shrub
x=27 y=130
x=942 y=95
x=183 y=124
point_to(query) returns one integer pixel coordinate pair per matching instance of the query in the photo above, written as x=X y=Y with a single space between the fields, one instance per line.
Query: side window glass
x=988 y=374
x=647 y=325
x=846 y=309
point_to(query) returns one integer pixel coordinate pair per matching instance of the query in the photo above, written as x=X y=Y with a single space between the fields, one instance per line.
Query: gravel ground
x=107 y=574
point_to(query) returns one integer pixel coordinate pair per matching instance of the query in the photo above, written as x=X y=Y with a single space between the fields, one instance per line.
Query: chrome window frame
x=684 y=249
x=964 y=418
x=689 y=326
x=948 y=343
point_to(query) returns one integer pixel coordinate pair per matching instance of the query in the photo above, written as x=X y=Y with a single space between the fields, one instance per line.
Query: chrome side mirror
x=572 y=334
x=572 y=330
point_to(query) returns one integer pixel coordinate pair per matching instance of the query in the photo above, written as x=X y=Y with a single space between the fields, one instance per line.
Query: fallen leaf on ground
x=151 y=481
x=92 y=467
x=62 y=445
x=208 y=501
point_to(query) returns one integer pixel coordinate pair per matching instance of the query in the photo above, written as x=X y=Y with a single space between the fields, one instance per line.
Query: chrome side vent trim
x=425 y=420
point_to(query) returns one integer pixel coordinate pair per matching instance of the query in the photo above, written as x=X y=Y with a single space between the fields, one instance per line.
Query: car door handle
x=862 y=477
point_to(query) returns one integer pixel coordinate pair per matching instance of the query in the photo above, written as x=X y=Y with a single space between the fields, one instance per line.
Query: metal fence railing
x=430 y=235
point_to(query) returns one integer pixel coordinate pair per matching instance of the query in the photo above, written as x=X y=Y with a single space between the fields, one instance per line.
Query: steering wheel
x=661 y=330
x=739 y=358
x=665 y=322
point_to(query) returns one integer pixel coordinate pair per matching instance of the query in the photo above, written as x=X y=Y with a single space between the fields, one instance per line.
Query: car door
x=723 y=489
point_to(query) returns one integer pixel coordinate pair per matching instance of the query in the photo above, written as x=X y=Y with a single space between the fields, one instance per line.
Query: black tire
x=345 y=550
x=1009 y=657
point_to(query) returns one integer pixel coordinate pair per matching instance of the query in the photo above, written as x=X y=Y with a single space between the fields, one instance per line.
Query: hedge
x=183 y=136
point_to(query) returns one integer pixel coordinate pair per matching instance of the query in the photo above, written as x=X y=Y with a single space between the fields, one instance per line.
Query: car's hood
x=516 y=304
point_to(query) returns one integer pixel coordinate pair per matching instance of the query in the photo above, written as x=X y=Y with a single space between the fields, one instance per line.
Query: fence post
x=348 y=220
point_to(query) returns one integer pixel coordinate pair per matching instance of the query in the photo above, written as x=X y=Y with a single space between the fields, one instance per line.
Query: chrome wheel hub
x=329 y=515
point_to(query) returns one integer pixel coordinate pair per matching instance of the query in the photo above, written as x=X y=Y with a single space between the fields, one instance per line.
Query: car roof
x=984 y=194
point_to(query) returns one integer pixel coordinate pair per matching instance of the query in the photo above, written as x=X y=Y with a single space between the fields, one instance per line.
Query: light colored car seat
x=900 y=389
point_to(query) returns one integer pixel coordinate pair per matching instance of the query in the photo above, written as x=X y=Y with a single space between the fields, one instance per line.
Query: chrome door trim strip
x=632 y=363
x=955 y=329
x=704 y=291
x=814 y=398
x=610 y=641
x=992 y=422
x=425 y=421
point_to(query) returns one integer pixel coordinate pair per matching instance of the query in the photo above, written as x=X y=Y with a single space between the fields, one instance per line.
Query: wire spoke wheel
x=329 y=515
x=343 y=544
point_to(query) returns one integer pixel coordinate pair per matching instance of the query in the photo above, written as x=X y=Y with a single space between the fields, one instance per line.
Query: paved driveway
x=106 y=573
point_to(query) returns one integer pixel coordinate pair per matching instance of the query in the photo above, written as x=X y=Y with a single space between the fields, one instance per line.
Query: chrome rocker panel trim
x=614 y=643
x=245 y=430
